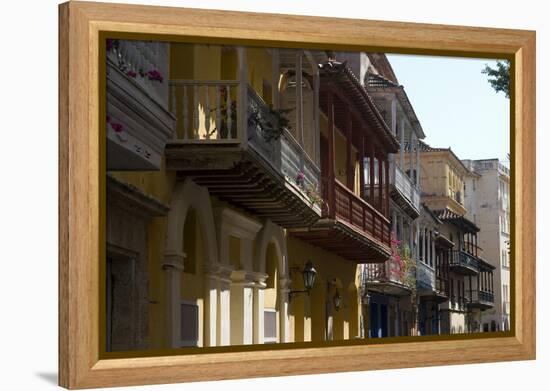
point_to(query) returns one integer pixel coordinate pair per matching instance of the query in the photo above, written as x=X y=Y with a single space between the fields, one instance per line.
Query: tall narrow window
x=270 y=325
x=189 y=324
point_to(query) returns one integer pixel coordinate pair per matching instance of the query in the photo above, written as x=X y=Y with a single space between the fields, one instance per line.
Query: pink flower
x=131 y=74
x=155 y=76
x=116 y=127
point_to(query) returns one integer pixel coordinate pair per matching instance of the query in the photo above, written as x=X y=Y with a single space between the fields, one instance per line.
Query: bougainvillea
x=152 y=74
x=300 y=177
x=117 y=127
x=401 y=265
x=155 y=76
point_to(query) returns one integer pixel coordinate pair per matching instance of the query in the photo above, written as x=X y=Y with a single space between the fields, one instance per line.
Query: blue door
x=383 y=320
x=373 y=320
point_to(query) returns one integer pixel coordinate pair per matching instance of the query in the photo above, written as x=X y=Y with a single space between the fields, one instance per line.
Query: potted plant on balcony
x=272 y=122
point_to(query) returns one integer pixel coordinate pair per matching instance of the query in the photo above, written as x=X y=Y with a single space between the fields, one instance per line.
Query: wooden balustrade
x=389 y=271
x=205 y=109
x=358 y=213
x=137 y=58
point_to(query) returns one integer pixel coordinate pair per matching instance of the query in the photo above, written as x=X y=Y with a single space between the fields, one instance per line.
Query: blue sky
x=456 y=105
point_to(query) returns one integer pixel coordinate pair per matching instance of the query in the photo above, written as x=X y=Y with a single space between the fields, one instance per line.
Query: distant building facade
x=487 y=199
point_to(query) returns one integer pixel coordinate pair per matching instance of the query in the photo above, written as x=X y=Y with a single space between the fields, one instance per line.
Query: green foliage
x=272 y=122
x=499 y=77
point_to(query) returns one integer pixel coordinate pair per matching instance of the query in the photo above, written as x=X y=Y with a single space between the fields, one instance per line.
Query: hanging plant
x=272 y=122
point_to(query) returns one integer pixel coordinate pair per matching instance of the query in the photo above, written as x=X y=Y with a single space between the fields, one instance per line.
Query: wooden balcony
x=386 y=278
x=464 y=263
x=429 y=286
x=138 y=120
x=349 y=227
x=225 y=142
x=481 y=299
x=403 y=192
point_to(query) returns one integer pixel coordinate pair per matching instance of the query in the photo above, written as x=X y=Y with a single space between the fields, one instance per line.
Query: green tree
x=499 y=77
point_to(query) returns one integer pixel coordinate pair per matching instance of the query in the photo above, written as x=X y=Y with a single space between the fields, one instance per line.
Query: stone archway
x=188 y=195
x=271 y=243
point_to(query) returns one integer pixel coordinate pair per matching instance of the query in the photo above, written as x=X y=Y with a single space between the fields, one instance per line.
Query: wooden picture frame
x=80 y=169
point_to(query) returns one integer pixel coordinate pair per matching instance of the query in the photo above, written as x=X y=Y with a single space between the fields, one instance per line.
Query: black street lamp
x=308 y=274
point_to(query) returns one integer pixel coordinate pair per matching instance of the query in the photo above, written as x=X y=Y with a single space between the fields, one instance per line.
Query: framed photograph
x=248 y=195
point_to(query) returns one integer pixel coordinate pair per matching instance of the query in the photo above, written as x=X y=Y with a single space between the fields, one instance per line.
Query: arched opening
x=190 y=247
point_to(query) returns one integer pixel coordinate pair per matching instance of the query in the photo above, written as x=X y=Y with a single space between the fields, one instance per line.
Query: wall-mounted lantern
x=337 y=300
x=308 y=275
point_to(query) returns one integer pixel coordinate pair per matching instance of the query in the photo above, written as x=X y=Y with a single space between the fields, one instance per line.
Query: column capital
x=218 y=271
x=247 y=278
x=174 y=259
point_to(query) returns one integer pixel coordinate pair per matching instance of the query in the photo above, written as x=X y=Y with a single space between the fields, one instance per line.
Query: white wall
x=29 y=129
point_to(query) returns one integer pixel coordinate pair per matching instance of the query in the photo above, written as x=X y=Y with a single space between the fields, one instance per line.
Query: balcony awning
x=485 y=266
x=378 y=83
x=340 y=75
x=462 y=222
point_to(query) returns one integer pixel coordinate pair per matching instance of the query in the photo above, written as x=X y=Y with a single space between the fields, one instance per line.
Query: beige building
x=470 y=278
x=487 y=199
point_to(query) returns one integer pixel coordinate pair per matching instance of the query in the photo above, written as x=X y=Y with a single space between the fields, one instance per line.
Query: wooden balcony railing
x=465 y=260
x=404 y=185
x=473 y=249
x=140 y=57
x=358 y=213
x=425 y=276
x=205 y=109
x=478 y=296
x=210 y=112
x=389 y=271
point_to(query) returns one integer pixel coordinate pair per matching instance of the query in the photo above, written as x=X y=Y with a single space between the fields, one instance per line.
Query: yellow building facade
x=202 y=268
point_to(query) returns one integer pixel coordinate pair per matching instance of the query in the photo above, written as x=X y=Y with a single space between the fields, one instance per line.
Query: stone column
x=210 y=309
x=224 y=312
x=241 y=313
x=217 y=305
x=258 y=308
x=173 y=267
x=285 y=285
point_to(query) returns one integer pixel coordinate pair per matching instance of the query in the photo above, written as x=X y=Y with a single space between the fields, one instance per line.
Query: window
x=189 y=324
x=270 y=326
